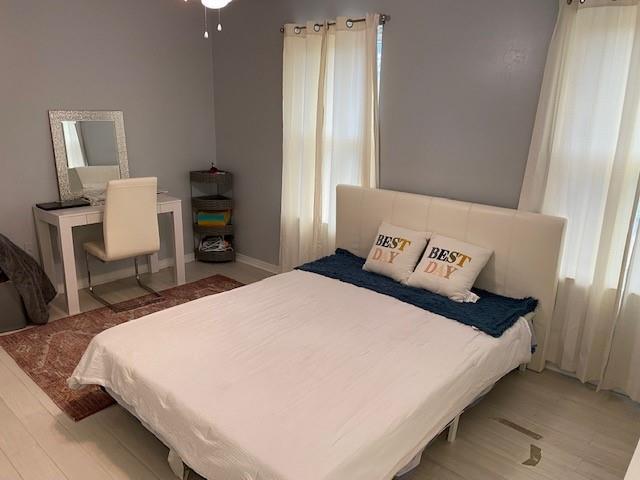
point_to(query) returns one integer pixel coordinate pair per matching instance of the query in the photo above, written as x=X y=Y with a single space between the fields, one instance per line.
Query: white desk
x=64 y=220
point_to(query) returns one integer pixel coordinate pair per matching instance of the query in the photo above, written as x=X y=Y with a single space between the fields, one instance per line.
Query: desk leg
x=46 y=249
x=65 y=232
x=178 y=246
x=154 y=263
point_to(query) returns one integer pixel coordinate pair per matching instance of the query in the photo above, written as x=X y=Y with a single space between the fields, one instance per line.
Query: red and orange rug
x=50 y=353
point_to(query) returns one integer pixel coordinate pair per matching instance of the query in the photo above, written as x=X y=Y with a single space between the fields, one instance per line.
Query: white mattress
x=298 y=377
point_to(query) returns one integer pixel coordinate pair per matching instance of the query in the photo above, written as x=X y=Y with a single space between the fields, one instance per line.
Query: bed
x=301 y=376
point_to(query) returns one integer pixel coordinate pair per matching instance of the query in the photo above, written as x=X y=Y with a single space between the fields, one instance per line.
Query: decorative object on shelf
x=213 y=5
x=214 y=219
x=215 y=244
x=213 y=230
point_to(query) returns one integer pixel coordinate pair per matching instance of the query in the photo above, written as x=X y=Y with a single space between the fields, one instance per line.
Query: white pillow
x=450 y=267
x=396 y=251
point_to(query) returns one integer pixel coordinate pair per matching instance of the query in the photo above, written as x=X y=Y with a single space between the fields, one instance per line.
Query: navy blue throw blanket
x=493 y=314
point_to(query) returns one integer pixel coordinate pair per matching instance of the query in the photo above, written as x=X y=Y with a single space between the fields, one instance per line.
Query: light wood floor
x=584 y=434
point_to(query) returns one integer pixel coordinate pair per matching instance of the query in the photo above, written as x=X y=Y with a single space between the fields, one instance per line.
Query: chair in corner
x=130 y=227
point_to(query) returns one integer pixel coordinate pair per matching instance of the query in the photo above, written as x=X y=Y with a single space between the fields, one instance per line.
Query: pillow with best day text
x=450 y=267
x=396 y=251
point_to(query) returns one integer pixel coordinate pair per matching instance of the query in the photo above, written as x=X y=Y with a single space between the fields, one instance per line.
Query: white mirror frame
x=56 y=117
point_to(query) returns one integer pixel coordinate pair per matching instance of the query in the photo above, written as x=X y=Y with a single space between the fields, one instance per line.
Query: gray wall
x=144 y=57
x=460 y=85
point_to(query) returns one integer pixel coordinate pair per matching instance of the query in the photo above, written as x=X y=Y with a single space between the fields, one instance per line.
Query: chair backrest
x=131 y=218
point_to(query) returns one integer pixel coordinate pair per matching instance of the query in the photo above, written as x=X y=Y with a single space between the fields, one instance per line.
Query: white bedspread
x=298 y=377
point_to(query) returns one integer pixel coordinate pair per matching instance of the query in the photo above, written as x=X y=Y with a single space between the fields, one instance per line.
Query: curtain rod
x=384 y=18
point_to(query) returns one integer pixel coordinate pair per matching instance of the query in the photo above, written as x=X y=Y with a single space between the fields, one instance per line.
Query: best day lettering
x=388 y=248
x=434 y=267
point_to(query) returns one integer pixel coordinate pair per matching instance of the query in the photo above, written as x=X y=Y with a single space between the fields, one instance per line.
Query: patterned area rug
x=50 y=353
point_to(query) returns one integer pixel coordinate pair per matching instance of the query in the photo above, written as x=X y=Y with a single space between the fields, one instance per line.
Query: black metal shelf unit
x=217 y=201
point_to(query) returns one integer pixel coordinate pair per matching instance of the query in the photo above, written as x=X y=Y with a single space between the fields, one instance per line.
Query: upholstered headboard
x=526 y=245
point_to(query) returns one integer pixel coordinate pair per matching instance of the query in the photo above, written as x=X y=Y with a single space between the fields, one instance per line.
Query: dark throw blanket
x=32 y=283
x=493 y=314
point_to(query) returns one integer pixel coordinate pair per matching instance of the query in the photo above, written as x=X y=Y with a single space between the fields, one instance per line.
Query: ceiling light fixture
x=206 y=27
x=214 y=5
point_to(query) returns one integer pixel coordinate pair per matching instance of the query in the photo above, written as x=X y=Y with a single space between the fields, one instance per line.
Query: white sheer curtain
x=584 y=165
x=622 y=370
x=330 y=122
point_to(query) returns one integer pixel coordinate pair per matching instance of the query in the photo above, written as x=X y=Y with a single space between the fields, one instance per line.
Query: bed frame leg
x=522 y=368
x=453 y=430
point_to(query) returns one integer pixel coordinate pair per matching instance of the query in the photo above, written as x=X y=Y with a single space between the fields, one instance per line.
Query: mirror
x=90 y=149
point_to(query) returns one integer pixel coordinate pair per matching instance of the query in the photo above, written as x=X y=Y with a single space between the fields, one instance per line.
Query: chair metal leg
x=91 y=290
x=112 y=306
x=142 y=285
x=86 y=256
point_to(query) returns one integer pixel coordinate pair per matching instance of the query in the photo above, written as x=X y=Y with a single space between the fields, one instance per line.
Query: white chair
x=130 y=226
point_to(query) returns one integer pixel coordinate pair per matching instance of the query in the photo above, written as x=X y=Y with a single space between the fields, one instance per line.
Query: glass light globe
x=215 y=4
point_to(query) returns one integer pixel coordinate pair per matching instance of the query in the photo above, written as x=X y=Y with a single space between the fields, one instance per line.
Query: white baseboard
x=254 y=262
x=554 y=368
x=127 y=272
